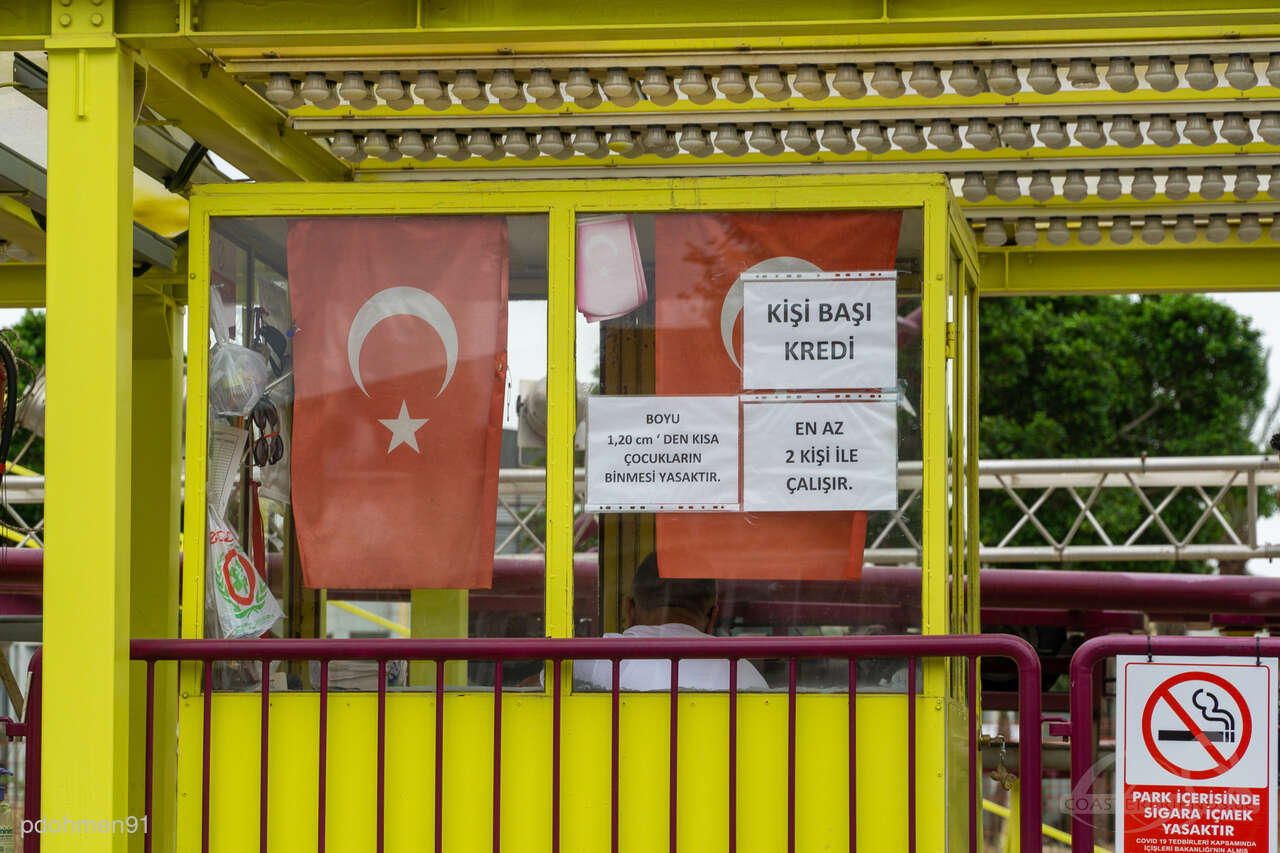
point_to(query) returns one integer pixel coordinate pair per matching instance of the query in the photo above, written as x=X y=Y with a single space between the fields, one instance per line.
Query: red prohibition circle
x=249 y=573
x=1162 y=692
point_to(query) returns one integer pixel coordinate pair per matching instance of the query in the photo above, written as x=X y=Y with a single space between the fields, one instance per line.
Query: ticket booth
x=765 y=382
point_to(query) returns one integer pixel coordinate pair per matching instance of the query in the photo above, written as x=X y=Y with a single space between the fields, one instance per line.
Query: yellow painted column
x=88 y=440
x=156 y=472
x=562 y=421
x=438 y=613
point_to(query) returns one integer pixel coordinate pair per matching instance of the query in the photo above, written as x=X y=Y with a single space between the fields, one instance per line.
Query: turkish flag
x=699 y=257
x=399 y=371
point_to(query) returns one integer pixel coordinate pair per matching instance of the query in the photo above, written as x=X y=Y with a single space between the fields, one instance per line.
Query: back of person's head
x=650 y=591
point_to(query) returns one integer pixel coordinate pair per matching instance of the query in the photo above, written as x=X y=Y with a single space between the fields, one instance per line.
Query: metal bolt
x=96 y=19
x=65 y=20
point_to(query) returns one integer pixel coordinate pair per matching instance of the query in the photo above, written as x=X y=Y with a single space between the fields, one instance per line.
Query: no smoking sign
x=1196 y=754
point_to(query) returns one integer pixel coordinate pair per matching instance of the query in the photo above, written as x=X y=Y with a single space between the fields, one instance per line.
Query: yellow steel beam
x=19 y=227
x=1135 y=268
x=215 y=109
x=21 y=285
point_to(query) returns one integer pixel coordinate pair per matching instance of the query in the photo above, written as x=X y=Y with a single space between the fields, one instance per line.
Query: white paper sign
x=646 y=454
x=820 y=456
x=820 y=331
x=1196 y=754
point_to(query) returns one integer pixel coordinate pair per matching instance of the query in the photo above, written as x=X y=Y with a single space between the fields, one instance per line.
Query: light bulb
x=1240 y=72
x=1074 y=186
x=732 y=84
x=1161 y=131
x=1089 y=233
x=964 y=79
x=550 y=142
x=503 y=86
x=315 y=87
x=494 y=149
x=908 y=137
x=1003 y=78
x=1269 y=128
x=1041 y=186
x=1212 y=184
x=729 y=140
x=1089 y=133
x=693 y=140
x=1050 y=133
x=1199 y=129
x=1160 y=74
x=1246 y=183
x=1109 y=186
x=1200 y=74
x=926 y=80
x=541 y=84
x=280 y=87
x=943 y=136
x=980 y=135
x=622 y=140
x=655 y=139
x=393 y=152
x=887 y=80
x=620 y=88
x=579 y=85
x=974 y=188
x=848 y=81
x=1184 y=229
x=353 y=89
x=1125 y=132
x=1250 y=228
x=1082 y=75
x=1144 y=184
x=811 y=82
x=1025 y=233
x=666 y=98
x=1121 y=231
x=404 y=102
x=1120 y=74
x=836 y=138
x=797 y=136
x=1218 y=230
x=446 y=143
x=1152 y=230
x=693 y=82
x=1007 y=188
x=1014 y=134
x=771 y=83
x=517 y=144
x=1057 y=233
x=514 y=104
x=1235 y=129
x=295 y=100
x=1043 y=76
x=871 y=136
x=390 y=87
x=994 y=235
x=586 y=140
x=1177 y=186
x=466 y=86
x=376 y=143
x=344 y=144
x=656 y=82
x=762 y=137
x=477 y=104
x=1273 y=74
x=411 y=144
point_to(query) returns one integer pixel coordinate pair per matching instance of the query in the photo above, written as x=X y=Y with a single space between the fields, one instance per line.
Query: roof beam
x=216 y=110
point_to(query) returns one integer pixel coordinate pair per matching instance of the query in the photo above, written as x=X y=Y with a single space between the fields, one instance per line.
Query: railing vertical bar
x=150 y=758
x=911 y=755
x=975 y=728
x=264 y=748
x=792 y=667
x=853 y=754
x=323 y=749
x=497 y=756
x=555 y=755
x=733 y=755
x=382 y=754
x=616 y=703
x=204 y=778
x=439 y=791
x=675 y=753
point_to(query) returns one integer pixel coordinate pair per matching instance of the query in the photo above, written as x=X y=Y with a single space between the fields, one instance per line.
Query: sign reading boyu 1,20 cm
x=810 y=331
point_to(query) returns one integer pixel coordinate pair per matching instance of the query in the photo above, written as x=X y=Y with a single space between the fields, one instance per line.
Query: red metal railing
x=792 y=650
x=1082 y=700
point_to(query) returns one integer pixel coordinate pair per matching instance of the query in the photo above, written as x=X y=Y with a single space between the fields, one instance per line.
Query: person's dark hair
x=651 y=591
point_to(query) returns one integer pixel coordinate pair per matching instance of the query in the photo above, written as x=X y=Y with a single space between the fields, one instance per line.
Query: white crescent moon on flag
x=411 y=302
x=732 y=306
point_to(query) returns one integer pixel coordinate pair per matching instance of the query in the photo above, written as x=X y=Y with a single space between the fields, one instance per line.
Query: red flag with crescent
x=698 y=349
x=399 y=373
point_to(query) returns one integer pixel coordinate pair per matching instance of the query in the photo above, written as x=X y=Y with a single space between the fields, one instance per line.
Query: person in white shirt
x=668 y=607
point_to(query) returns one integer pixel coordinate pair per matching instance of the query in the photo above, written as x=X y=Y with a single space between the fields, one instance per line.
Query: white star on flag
x=403 y=428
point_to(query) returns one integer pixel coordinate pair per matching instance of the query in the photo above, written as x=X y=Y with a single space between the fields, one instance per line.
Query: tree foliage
x=26 y=337
x=1081 y=377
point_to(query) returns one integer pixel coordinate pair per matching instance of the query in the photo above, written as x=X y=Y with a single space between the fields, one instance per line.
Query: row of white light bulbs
x=1144 y=184
x=663 y=88
x=1151 y=230
x=836 y=137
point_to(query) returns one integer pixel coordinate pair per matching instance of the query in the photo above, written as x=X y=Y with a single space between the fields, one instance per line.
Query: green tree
x=1083 y=377
x=27 y=339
